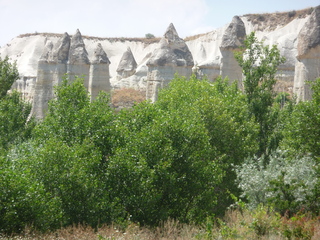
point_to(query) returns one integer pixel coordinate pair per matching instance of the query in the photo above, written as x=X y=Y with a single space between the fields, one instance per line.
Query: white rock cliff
x=144 y=64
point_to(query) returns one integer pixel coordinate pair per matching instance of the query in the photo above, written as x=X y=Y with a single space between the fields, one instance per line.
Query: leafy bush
x=284 y=183
x=73 y=175
x=8 y=74
x=24 y=201
x=72 y=119
x=166 y=169
x=302 y=132
x=299 y=226
x=150 y=35
x=224 y=112
x=14 y=113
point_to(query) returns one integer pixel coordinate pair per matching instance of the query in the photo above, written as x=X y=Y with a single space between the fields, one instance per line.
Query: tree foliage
x=175 y=158
x=14 y=112
x=302 y=132
x=8 y=74
x=285 y=183
x=149 y=35
x=259 y=65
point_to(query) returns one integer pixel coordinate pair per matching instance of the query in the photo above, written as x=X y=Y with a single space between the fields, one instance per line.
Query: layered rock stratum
x=149 y=64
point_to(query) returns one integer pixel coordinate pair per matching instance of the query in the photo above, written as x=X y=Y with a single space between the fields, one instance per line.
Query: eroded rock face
x=47 y=52
x=52 y=66
x=309 y=36
x=234 y=35
x=308 y=66
x=78 y=53
x=172 y=51
x=172 y=56
x=127 y=66
x=100 y=55
x=157 y=62
x=69 y=57
x=60 y=52
x=78 y=62
x=99 y=77
x=232 y=40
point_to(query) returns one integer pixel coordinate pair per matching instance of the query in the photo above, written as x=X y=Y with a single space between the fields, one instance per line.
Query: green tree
x=23 y=200
x=8 y=74
x=14 y=113
x=166 y=168
x=150 y=35
x=224 y=111
x=177 y=154
x=73 y=142
x=259 y=65
x=73 y=119
x=302 y=132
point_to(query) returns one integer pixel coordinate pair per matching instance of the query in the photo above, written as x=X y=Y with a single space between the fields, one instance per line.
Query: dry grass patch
x=110 y=39
x=194 y=37
x=270 y=21
x=261 y=223
x=126 y=97
x=166 y=231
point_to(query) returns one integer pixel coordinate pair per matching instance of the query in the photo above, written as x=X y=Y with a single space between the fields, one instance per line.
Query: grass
x=270 y=21
x=194 y=37
x=110 y=39
x=261 y=223
x=168 y=230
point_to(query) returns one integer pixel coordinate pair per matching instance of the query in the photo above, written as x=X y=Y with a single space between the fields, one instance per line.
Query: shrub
x=150 y=35
x=23 y=200
x=284 y=183
x=292 y=13
x=300 y=226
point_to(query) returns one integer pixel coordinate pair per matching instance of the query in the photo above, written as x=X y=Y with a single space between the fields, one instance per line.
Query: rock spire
x=172 y=51
x=307 y=67
x=232 y=40
x=99 y=76
x=127 y=66
x=172 y=56
x=60 y=53
x=78 y=52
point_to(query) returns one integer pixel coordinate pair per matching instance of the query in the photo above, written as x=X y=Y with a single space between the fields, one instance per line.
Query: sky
x=129 y=18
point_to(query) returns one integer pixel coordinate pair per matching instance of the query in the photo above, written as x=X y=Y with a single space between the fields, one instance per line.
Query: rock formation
x=172 y=56
x=127 y=66
x=99 y=77
x=232 y=40
x=78 y=64
x=52 y=66
x=308 y=65
x=68 y=56
x=43 y=58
